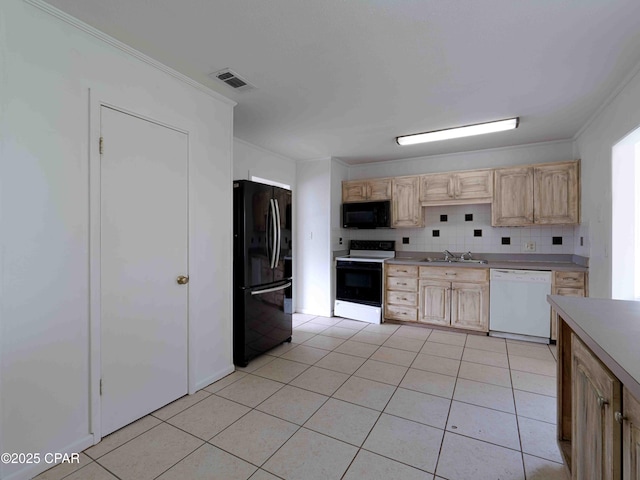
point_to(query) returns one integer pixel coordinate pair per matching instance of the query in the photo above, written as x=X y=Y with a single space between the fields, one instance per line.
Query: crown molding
x=610 y=98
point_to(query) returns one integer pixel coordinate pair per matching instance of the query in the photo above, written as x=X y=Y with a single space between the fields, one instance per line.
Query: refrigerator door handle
x=272 y=289
x=278 y=233
x=274 y=233
x=268 y=237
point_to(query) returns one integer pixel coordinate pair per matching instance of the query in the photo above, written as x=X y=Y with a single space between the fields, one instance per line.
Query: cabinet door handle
x=450 y=273
x=619 y=417
x=602 y=401
x=404 y=284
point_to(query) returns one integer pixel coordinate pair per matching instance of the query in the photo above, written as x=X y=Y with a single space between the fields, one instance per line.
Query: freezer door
x=262 y=320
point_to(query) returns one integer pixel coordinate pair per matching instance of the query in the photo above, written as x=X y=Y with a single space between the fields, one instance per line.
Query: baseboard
x=31 y=471
x=214 y=378
x=325 y=313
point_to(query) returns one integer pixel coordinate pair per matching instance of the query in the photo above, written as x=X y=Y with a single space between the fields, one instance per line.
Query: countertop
x=610 y=328
x=558 y=262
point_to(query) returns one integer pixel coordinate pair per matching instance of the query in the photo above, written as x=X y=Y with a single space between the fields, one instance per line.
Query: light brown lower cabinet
x=567 y=284
x=630 y=436
x=596 y=438
x=401 y=293
x=456 y=297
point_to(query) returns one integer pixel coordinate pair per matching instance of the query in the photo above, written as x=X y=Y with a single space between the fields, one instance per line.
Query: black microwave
x=366 y=215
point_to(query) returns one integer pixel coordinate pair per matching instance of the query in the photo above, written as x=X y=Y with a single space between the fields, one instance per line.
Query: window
x=625 y=218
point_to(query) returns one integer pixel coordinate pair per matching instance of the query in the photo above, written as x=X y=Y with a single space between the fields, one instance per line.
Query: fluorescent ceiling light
x=467 y=131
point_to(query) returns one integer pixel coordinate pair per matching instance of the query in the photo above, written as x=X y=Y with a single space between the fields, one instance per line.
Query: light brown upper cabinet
x=405 y=202
x=474 y=186
x=555 y=193
x=366 y=190
x=545 y=194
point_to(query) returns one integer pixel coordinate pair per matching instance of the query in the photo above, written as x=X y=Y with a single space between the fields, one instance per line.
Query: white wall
x=249 y=159
x=594 y=146
x=313 y=219
x=497 y=157
x=339 y=172
x=46 y=69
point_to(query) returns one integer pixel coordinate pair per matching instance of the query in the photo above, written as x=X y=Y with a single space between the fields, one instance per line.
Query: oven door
x=359 y=282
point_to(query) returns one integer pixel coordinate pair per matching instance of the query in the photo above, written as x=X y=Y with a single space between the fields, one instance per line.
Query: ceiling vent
x=232 y=79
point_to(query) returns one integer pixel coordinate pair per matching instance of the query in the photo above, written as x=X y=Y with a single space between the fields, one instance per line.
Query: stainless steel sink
x=472 y=260
x=452 y=260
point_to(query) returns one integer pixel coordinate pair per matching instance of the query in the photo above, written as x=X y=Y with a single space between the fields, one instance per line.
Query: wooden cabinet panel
x=556 y=191
x=437 y=187
x=402 y=298
x=513 y=197
x=455 y=274
x=402 y=283
x=405 y=202
x=366 y=190
x=401 y=293
x=458 y=297
x=596 y=440
x=630 y=437
x=569 y=279
x=379 y=189
x=570 y=284
x=435 y=302
x=474 y=185
x=402 y=270
x=470 y=306
x=398 y=312
x=545 y=194
x=354 y=191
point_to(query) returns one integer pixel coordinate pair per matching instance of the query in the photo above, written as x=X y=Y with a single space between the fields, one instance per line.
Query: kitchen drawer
x=402 y=298
x=402 y=271
x=402 y=283
x=397 y=312
x=455 y=274
x=569 y=292
x=569 y=279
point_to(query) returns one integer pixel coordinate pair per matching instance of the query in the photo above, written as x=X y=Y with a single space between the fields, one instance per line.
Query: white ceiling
x=343 y=78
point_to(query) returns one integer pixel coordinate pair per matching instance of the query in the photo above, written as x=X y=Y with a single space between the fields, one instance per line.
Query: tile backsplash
x=462 y=228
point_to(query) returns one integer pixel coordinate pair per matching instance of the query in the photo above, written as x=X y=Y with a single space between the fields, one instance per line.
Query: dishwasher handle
x=529 y=276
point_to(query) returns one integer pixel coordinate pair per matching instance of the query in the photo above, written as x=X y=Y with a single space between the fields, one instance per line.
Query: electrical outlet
x=530 y=246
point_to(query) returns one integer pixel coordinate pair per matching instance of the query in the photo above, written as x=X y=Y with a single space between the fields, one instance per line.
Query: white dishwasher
x=518 y=305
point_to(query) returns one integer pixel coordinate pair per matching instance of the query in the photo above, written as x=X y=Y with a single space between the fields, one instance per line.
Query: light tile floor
x=350 y=400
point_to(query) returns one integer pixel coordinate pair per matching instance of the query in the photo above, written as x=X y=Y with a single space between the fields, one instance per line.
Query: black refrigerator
x=262 y=269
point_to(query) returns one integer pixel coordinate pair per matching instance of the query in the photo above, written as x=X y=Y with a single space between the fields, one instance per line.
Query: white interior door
x=143 y=248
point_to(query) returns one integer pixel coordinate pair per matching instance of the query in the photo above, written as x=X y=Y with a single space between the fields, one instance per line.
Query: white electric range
x=359 y=280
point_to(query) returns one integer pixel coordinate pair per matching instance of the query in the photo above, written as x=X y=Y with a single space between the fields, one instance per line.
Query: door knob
x=182 y=280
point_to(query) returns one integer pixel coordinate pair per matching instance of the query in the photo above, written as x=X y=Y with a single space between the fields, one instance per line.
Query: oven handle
x=360 y=266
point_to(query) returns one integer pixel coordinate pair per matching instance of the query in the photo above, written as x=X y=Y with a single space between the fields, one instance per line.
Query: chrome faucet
x=467 y=255
x=448 y=255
